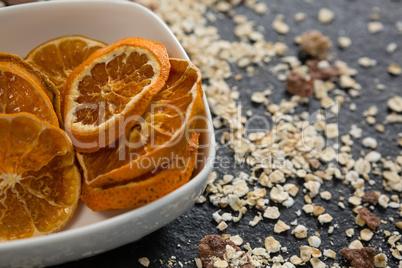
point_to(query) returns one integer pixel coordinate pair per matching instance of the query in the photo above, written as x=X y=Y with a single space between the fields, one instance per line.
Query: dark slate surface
x=351 y=19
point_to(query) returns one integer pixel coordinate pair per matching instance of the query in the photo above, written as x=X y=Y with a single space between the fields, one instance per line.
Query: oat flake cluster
x=314 y=153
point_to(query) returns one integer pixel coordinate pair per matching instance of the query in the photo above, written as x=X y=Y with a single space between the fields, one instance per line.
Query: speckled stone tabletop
x=175 y=245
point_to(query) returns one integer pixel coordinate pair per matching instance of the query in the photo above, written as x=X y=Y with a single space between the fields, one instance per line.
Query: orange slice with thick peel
x=17 y=63
x=19 y=93
x=105 y=95
x=57 y=57
x=162 y=132
x=146 y=188
x=39 y=181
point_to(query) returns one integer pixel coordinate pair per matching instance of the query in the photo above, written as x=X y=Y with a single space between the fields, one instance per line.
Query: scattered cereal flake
x=221 y=264
x=396 y=254
x=305 y=253
x=280 y=227
x=278 y=195
x=326 y=195
x=201 y=199
x=345 y=81
x=366 y=62
x=272 y=213
x=350 y=232
x=237 y=240
x=374 y=27
x=356 y=244
x=317 y=263
x=325 y=218
x=300 y=231
x=355 y=131
x=313 y=187
x=383 y=201
x=314 y=241
x=329 y=253
x=325 y=15
x=255 y=220
x=355 y=200
x=291 y=189
x=144 y=261
x=217 y=217
x=331 y=131
x=296 y=260
x=259 y=251
x=373 y=157
x=198 y=262
x=277 y=177
x=394 y=69
x=380 y=260
x=258 y=97
x=318 y=210
x=395 y=104
x=300 y=16
x=391 y=47
x=366 y=234
x=359 y=221
x=362 y=167
x=288 y=202
x=398 y=26
x=308 y=208
x=344 y=42
x=393 y=180
x=222 y=226
x=393 y=239
x=272 y=245
x=279 y=25
x=260 y=8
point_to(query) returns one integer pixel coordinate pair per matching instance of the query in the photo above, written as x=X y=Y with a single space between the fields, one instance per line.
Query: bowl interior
x=29 y=25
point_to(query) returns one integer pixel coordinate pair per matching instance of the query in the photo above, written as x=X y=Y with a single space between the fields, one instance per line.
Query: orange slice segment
x=106 y=93
x=17 y=63
x=58 y=57
x=162 y=132
x=39 y=181
x=147 y=188
x=19 y=93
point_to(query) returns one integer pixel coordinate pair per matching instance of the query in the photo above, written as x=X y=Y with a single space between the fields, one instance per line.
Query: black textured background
x=350 y=20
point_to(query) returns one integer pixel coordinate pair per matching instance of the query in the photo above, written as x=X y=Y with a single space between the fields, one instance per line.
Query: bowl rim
x=95 y=227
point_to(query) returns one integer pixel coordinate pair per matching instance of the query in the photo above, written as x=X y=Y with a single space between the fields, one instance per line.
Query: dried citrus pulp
x=32 y=76
x=58 y=57
x=107 y=93
x=161 y=135
x=19 y=93
x=148 y=187
x=39 y=182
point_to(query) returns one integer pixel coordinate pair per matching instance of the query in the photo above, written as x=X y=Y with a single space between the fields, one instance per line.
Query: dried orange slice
x=57 y=57
x=147 y=188
x=162 y=131
x=19 y=93
x=17 y=63
x=105 y=94
x=39 y=181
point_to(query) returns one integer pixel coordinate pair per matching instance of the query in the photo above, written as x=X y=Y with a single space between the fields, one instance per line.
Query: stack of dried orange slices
x=129 y=114
x=39 y=181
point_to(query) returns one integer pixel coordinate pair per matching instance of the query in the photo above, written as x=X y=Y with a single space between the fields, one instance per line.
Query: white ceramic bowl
x=89 y=233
